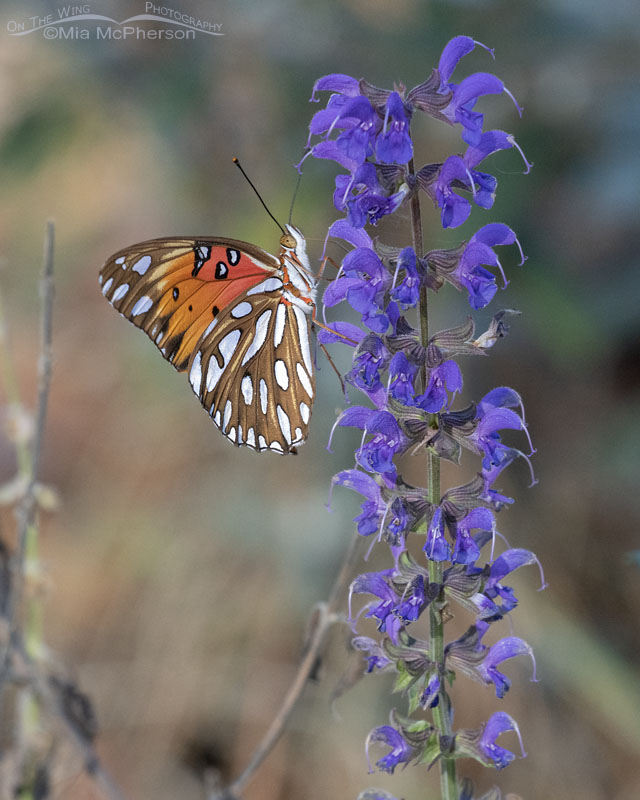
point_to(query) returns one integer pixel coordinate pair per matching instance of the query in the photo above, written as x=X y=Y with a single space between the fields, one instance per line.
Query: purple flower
x=493 y=416
x=460 y=171
x=402 y=375
x=407 y=292
x=444 y=378
x=376 y=658
x=363 y=285
x=497 y=756
x=364 y=198
x=480 y=662
x=436 y=547
x=506 y=563
x=466 y=94
x=413 y=600
x=479 y=282
x=377 y=454
x=375 y=583
x=393 y=145
x=400 y=752
x=369 y=359
x=374 y=509
x=466 y=550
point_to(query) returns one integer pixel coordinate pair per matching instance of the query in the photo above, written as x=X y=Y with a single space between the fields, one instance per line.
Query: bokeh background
x=180 y=570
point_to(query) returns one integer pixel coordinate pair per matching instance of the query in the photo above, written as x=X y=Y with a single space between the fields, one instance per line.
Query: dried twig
x=324 y=619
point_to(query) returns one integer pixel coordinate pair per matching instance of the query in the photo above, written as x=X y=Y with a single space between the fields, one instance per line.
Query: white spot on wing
x=227 y=414
x=195 y=373
x=210 y=327
x=263 y=396
x=241 y=310
x=228 y=345
x=213 y=373
x=285 y=424
x=142 y=265
x=234 y=256
x=281 y=318
x=270 y=285
x=159 y=337
x=247 y=389
x=232 y=434
x=282 y=376
x=276 y=446
x=297 y=437
x=121 y=260
x=218 y=418
x=304 y=379
x=120 y=292
x=260 y=335
x=251 y=437
x=239 y=434
x=107 y=286
x=303 y=334
x=304 y=412
x=262 y=443
x=142 y=305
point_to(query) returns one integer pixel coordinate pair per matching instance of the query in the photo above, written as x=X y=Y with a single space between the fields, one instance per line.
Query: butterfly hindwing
x=173 y=288
x=253 y=371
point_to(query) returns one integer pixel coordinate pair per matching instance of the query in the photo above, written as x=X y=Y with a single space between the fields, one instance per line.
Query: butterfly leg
x=335 y=369
x=324 y=264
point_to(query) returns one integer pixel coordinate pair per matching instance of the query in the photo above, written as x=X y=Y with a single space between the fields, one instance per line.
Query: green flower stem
x=441 y=717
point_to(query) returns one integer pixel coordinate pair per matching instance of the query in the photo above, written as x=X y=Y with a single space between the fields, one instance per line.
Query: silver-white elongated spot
x=214 y=372
x=262 y=443
x=285 y=424
x=263 y=396
x=270 y=285
x=107 y=286
x=231 y=434
x=282 y=376
x=304 y=412
x=195 y=373
x=143 y=304
x=239 y=434
x=142 y=265
x=251 y=437
x=297 y=436
x=304 y=380
x=241 y=310
x=228 y=409
x=218 y=418
x=260 y=335
x=246 y=386
x=120 y=292
x=303 y=333
x=121 y=261
x=281 y=318
x=277 y=447
x=228 y=345
x=210 y=327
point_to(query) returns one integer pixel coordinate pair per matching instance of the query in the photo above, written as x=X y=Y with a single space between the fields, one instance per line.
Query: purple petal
x=336 y=82
x=356 y=417
x=358 y=481
x=331 y=151
x=345 y=329
x=454 y=50
x=355 y=236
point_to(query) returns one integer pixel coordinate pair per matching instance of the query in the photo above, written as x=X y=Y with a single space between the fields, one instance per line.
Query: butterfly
x=236 y=319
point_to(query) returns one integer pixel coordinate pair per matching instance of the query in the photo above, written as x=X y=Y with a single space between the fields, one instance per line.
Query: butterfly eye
x=286 y=240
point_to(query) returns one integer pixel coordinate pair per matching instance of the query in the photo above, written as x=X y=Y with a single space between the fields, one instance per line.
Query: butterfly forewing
x=173 y=288
x=216 y=307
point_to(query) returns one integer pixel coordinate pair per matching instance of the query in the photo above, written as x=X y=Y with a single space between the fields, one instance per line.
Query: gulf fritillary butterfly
x=236 y=319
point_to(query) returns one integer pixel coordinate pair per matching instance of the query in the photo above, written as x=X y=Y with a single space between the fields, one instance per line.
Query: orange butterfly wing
x=173 y=288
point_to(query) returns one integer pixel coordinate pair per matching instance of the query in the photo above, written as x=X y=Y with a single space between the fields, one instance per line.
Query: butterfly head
x=292 y=239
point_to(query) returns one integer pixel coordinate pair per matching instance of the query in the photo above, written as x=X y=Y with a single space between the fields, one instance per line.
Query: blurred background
x=180 y=570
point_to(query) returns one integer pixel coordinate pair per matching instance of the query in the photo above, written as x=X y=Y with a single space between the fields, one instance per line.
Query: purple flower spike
x=400 y=753
x=376 y=658
x=445 y=378
x=393 y=145
x=498 y=723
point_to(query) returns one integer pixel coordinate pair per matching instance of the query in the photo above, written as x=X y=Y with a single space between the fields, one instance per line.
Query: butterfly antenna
x=295 y=194
x=250 y=182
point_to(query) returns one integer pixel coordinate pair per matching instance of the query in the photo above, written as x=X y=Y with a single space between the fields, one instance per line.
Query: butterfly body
x=236 y=319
